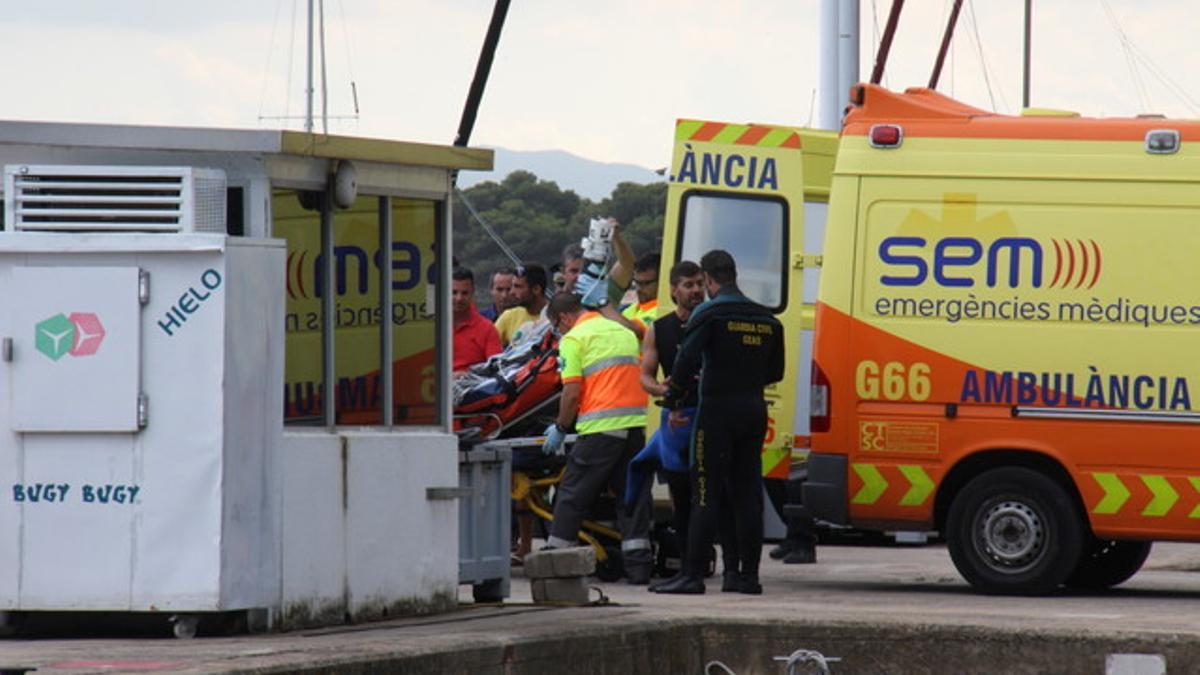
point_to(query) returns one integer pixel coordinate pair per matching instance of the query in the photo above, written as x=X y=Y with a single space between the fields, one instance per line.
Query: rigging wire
x=982 y=61
x=349 y=61
x=875 y=36
x=1134 y=54
x=504 y=248
x=1175 y=88
x=291 y=63
x=262 y=94
x=1139 y=85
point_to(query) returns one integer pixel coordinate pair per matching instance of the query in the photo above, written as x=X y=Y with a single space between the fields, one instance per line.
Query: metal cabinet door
x=76 y=349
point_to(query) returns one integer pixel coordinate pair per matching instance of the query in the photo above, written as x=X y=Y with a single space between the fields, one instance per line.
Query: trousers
x=727 y=482
x=597 y=461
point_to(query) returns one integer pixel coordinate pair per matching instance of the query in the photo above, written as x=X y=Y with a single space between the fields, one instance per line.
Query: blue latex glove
x=553 y=444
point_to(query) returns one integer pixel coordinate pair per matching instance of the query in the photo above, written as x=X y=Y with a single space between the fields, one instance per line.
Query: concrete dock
x=877 y=609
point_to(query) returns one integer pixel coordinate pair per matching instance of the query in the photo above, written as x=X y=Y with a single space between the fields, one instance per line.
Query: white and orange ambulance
x=758 y=191
x=1008 y=337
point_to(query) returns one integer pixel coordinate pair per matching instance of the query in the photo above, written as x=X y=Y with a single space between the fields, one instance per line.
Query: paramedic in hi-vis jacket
x=736 y=347
x=602 y=399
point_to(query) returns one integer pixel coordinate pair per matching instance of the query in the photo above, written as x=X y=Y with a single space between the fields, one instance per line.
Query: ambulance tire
x=1107 y=563
x=1014 y=531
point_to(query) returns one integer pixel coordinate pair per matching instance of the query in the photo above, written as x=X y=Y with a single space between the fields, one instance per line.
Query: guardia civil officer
x=740 y=345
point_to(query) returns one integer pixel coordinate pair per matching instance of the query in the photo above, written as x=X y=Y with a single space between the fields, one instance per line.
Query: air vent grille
x=114 y=198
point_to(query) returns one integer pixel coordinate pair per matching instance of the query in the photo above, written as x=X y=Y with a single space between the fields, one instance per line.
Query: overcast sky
x=605 y=80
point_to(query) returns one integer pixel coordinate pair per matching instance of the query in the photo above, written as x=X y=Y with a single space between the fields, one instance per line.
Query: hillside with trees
x=537 y=219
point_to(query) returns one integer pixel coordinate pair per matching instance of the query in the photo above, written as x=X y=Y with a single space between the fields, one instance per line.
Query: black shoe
x=654 y=586
x=730 y=582
x=748 y=584
x=805 y=555
x=785 y=547
x=682 y=584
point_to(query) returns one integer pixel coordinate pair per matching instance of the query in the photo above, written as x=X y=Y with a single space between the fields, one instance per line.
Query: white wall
x=359 y=535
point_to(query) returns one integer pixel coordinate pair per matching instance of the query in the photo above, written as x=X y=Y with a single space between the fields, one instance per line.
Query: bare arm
x=622 y=271
x=610 y=312
x=650 y=365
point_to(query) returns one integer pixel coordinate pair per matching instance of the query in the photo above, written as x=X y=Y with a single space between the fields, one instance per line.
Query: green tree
x=536 y=219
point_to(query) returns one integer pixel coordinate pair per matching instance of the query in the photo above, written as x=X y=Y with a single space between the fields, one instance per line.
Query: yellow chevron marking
x=874 y=484
x=1165 y=496
x=1115 y=493
x=921 y=488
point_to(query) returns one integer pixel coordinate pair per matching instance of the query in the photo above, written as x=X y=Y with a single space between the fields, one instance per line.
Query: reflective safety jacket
x=603 y=355
x=646 y=312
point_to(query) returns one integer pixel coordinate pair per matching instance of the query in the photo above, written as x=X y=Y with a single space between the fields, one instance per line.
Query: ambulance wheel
x=1014 y=531
x=1108 y=563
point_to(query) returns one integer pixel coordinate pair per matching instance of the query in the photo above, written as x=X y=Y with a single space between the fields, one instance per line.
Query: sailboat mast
x=308 y=89
x=1028 y=40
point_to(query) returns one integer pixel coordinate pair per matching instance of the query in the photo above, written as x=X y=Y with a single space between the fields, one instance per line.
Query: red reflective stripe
x=708 y=131
x=753 y=136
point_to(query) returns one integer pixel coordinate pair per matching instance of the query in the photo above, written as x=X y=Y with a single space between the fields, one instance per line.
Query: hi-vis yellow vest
x=603 y=356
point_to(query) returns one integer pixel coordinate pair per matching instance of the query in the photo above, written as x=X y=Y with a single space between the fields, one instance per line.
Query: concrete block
x=578 y=561
x=570 y=591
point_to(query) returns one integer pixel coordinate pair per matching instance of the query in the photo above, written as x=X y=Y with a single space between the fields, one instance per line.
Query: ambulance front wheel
x=1014 y=531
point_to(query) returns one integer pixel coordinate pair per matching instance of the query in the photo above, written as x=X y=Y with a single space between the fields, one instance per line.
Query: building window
x=752 y=229
x=367 y=262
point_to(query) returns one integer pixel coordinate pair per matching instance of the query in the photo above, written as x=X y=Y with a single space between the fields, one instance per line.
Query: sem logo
x=957 y=262
x=77 y=335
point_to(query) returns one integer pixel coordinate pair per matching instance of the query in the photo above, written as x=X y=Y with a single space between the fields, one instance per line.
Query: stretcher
x=507 y=394
x=507 y=402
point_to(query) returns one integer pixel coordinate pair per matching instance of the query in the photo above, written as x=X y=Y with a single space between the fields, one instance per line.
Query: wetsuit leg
x=679 y=484
x=710 y=445
x=744 y=478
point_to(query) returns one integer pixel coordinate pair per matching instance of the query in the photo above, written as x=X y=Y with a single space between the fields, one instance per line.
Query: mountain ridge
x=588 y=178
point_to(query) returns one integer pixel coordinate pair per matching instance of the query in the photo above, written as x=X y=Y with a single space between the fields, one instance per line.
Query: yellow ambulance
x=1006 y=337
x=760 y=192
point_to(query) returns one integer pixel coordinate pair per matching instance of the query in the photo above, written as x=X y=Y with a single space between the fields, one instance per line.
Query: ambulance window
x=754 y=231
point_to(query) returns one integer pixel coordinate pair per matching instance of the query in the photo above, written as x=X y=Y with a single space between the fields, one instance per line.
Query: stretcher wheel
x=492 y=590
x=611 y=568
x=184 y=626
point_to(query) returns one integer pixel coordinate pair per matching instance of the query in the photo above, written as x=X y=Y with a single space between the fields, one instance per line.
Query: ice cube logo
x=77 y=335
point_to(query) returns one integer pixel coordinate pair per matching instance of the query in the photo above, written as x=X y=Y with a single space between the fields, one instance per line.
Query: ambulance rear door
x=742 y=188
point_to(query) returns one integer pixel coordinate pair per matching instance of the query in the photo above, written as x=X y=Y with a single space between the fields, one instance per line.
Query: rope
x=795 y=660
x=803 y=657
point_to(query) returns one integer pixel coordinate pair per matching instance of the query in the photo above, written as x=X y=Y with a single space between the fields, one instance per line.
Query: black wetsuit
x=736 y=347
